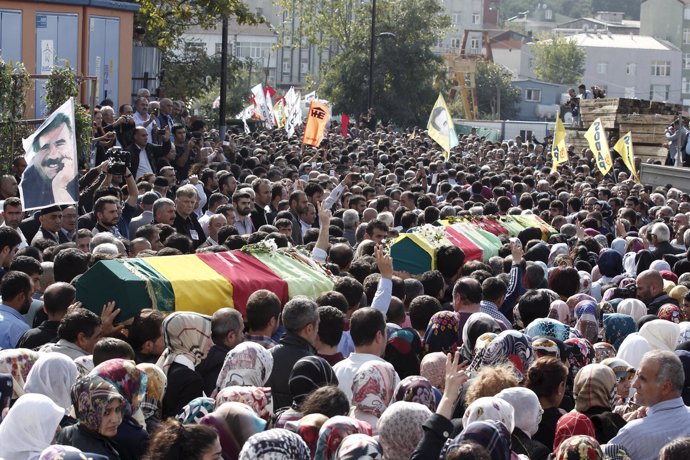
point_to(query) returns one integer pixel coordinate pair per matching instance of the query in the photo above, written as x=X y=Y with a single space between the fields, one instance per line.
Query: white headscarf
x=629 y=264
x=53 y=375
x=661 y=334
x=29 y=427
x=633 y=307
x=248 y=364
x=633 y=348
x=527 y=408
x=684 y=335
x=490 y=408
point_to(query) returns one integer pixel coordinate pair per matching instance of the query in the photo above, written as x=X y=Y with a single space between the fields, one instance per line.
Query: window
x=476 y=19
x=219 y=48
x=286 y=66
x=659 y=92
x=456 y=18
x=630 y=92
x=686 y=36
x=254 y=50
x=455 y=43
x=685 y=86
x=533 y=95
x=686 y=13
x=602 y=67
x=194 y=47
x=474 y=45
x=661 y=68
x=630 y=68
x=686 y=60
x=548 y=15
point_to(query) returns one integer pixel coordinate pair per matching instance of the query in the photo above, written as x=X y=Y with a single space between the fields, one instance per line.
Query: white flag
x=261 y=106
x=292 y=111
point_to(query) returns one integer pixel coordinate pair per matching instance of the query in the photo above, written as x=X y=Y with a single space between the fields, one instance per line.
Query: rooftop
x=623 y=41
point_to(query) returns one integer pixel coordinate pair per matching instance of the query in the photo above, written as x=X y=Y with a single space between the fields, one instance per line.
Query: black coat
x=210 y=367
x=661 y=249
x=606 y=423
x=655 y=304
x=184 y=385
x=436 y=431
x=38 y=336
x=522 y=444
x=289 y=350
x=153 y=151
x=131 y=439
x=88 y=441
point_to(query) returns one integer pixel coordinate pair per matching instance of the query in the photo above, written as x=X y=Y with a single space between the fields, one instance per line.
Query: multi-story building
x=670 y=20
x=465 y=15
x=630 y=66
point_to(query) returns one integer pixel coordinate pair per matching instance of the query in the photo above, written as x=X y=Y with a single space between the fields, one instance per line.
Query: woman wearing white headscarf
x=633 y=348
x=528 y=414
x=53 y=375
x=661 y=334
x=490 y=408
x=633 y=307
x=29 y=427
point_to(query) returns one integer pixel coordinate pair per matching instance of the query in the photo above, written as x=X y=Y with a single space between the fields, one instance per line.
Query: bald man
x=650 y=290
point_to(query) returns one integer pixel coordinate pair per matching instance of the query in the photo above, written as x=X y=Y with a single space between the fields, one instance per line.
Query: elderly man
x=186 y=222
x=659 y=385
x=660 y=237
x=215 y=223
x=650 y=290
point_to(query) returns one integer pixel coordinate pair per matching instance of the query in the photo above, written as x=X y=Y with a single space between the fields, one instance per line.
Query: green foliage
x=61 y=85
x=14 y=84
x=572 y=9
x=165 y=21
x=631 y=8
x=558 y=60
x=237 y=95
x=405 y=66
x=492 y=78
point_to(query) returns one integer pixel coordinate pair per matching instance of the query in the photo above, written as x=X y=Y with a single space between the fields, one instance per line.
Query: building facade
x=539 y=100
x=465 y=15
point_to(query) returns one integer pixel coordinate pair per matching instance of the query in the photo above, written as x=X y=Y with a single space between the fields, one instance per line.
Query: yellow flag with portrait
x=598 y=143
x=440 y=126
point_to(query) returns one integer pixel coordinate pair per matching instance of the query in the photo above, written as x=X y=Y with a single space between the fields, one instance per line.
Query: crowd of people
x=568 y=345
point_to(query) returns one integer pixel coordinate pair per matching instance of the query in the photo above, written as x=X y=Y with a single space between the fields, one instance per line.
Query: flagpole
x=371 y=55
x=222 y=126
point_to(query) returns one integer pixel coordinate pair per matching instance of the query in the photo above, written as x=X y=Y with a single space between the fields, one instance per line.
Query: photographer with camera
x=145 y=157
x=143 y=118
x=185 y=151
x=123 y=126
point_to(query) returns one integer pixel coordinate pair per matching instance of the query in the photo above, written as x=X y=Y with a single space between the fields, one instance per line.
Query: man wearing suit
x=298 y=205
x=145 y=157
x=146 y=216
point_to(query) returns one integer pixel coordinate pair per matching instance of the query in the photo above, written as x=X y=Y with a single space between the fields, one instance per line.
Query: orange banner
x=319 y=116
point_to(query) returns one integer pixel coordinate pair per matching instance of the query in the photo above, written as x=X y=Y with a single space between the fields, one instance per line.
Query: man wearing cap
x=51 y=221
x=146 y=216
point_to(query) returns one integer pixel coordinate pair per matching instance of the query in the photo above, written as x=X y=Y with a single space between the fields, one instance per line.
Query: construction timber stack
x=647 y=120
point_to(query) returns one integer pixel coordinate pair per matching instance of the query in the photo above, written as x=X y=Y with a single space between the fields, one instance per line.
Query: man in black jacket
x=226 y=332
x=650 y=290
x=145 y=157
x=660 y=236
x=301 y=321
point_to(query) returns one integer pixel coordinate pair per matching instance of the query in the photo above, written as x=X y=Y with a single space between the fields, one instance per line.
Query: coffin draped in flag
x=202 y=283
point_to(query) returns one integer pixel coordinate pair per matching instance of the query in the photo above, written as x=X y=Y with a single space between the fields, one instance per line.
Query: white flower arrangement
x=267 y=246
x=436 y=236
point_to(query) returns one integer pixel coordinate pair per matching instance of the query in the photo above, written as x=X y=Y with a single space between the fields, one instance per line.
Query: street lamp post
x=371 y=55
x=222 y=127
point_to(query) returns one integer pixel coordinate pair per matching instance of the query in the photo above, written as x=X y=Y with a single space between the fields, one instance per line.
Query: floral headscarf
x=492 y=435
x=572 y=424
x=619 y=367
x=661 y=334
x=490 y=408
x=258 y=398
x=308 y=374
x=433 y=367
x=595 y=386
x=580 y=354
x=156 y=385
x=544 y=346
x=248 y=364
x=669 y=312
x=512 y=346
x=129 y=381
x=275 y=444
x=400 y=429
x=196 y=410
x=603 y=350
x=442 y=332
x=547 y=327
x=235 y=423
x=476 y=325
x=359 y=446
x=479 y=349
x=17 y=362
x=187 y=334
x=580 y=448
x=372 y=387
x=90 y=396
x=334 y=431
x=53 y=375
x=416 y=389
x=617 y=327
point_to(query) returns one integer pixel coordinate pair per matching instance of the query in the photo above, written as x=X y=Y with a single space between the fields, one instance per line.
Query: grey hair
x=661 y=231
x=298 y=313
x=160 y=203
x=670 y=368
x=224 y=321
x=686 y=238
x=350 y=218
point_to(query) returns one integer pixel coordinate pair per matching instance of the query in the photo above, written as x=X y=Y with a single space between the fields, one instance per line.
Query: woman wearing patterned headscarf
x=490 y=408
x=492 y=435
x=17 y=362
x=433 y=367
x=442 y=332
x=403 y=351
x=669 y=312
x=130 y=382
x=400 y=429
x=359 y=446
x=510 y=346
x=187 y=338
x=528 y=413
x=617 y=327
x=248 y=364
x=587 y=314
x=417 y=389
x=29 y=427
x=155 y=390
x=624 y=374
x=580 y=354
x=195 y=410
x=372 y=391
x=98 y=406
x=259 y=399
x=275 y=444
x=477 y=324
x=235 y=423
x=572 y=424
x=332 y=433
x=602 y=351
x=547 y=327
x=579 y=448
x=595 y=392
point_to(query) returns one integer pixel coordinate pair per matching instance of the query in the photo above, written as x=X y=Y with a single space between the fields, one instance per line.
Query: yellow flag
x=596 y=137
x=413 y=135
x=559 y=152
x=440 y=126
x=624 y=147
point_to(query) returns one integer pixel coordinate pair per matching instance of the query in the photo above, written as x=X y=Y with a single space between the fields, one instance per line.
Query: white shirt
x=144 y=164
x=205 y=220
x=346 y=369
x=139 y=121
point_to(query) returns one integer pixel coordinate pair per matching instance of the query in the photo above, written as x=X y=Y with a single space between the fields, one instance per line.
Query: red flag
x=271 y=92
x=344 y=123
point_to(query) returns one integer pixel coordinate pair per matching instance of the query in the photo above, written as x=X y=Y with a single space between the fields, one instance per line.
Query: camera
x=119 y=161
x=197 y=135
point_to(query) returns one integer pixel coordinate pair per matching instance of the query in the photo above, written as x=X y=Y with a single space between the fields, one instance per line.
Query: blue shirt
x=12 y=326
x=665 y=421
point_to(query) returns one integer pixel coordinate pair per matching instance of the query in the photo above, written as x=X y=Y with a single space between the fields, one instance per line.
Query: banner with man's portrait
x=51 y=156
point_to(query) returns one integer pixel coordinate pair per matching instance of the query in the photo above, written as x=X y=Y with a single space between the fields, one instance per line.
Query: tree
x=165 y=21
x=558 y=60
x=491 y=80
x=404 y=64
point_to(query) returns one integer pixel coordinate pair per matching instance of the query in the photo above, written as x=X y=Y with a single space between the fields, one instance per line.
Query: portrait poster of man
x=440 y=126
x=51 y=156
